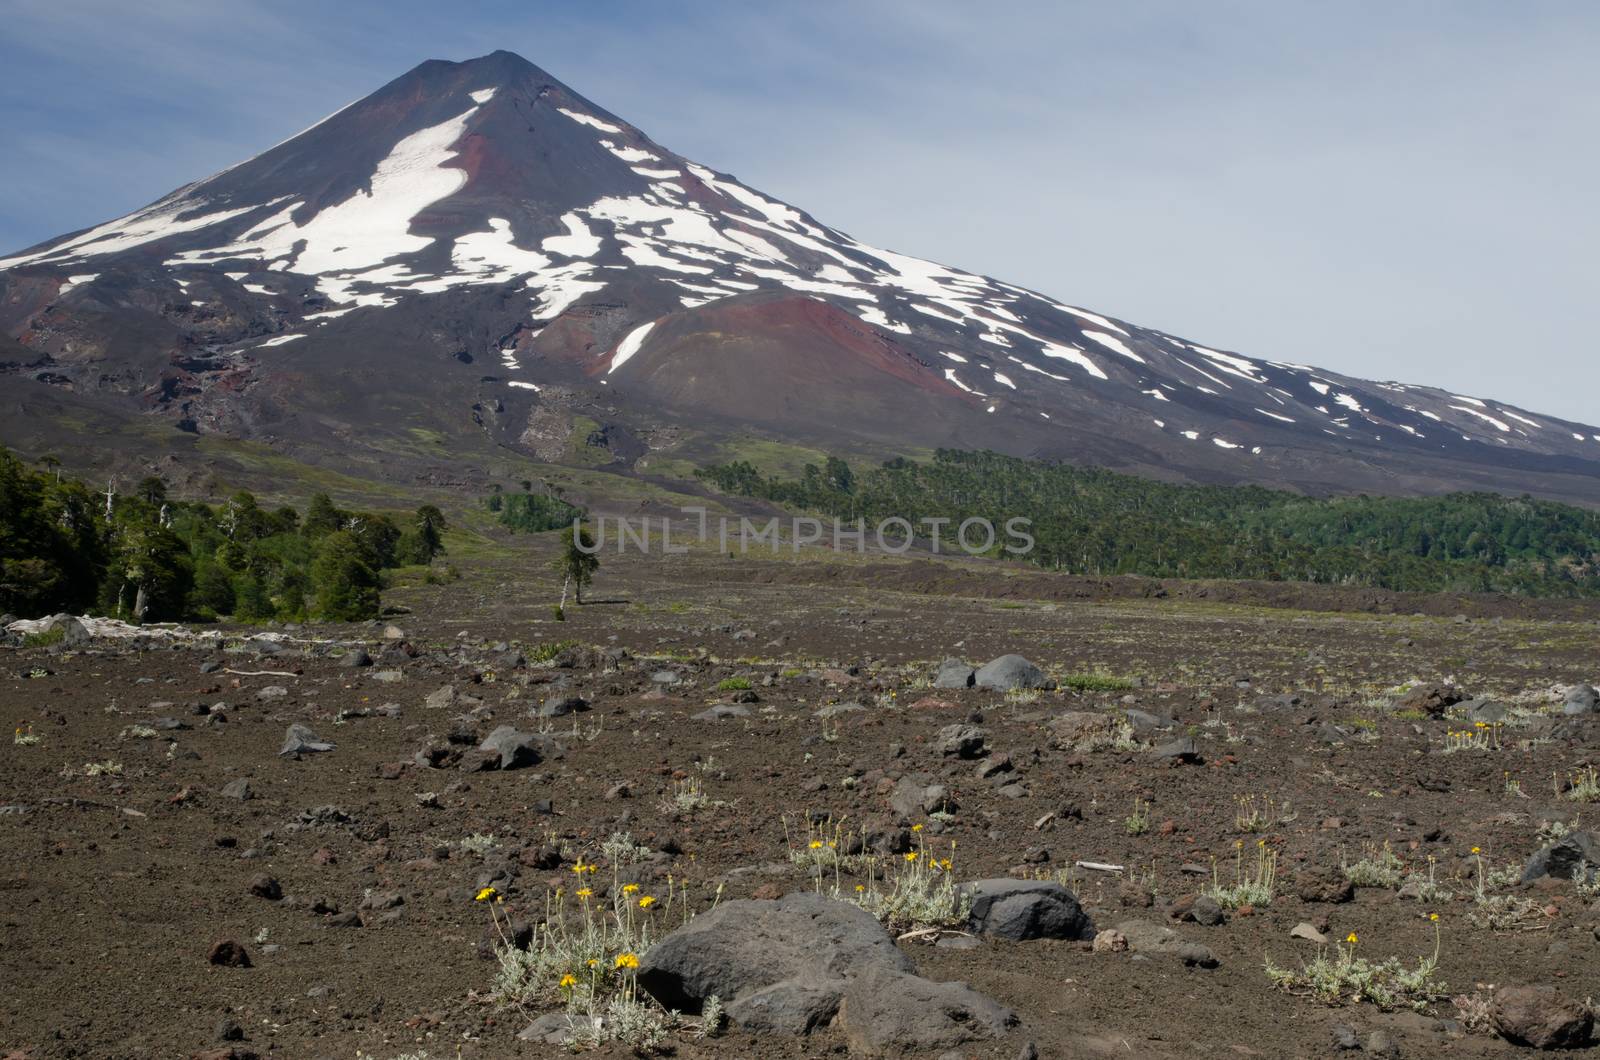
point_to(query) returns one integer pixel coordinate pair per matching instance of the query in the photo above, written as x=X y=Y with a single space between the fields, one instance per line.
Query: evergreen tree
x=345 y=585
x=576 y=563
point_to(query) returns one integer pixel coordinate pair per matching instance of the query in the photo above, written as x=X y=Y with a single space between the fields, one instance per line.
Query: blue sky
x=1393 y=190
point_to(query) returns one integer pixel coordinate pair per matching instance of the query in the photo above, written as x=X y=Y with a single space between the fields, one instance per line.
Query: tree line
x=143 y=556
x=1092 y=521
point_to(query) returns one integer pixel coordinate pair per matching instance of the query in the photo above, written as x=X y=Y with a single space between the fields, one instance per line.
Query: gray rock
x=961 y=741
x=1182 y=749
x=793 y=1006
x=238 y=789
x=1563 y=857
x=1582 y=699
x=553 y=1028
x=1488 y=711
x=916 y=793
x=1146 y=937
x=795 y=964
x=355 y=660
x=1144 y=723
x=665 y=677
x=721 y=712
x=1541 y=1016
x=1026 y=909
x=515 y=749
x=953 y=673
x=1207 y=911
x=884 y=1011
x=301 y=740
x=1009 y=672
x=561 y=706
x=833 y=710
x=747 y=945
x=74 y=634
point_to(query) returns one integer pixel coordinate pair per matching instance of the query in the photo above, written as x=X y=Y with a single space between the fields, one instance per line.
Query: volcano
x=476 y=259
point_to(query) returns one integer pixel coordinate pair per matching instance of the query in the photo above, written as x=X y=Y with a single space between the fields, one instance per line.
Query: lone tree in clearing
x=576 y=564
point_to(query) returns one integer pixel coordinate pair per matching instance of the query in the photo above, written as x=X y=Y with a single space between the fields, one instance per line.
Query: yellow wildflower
x=1351 y=938
x=629 y=888
x=627 y=960
x=647 y=901
x=911 y=855
x=816 y=844
x=584 y=892
x=568 y=981
x=486 y=894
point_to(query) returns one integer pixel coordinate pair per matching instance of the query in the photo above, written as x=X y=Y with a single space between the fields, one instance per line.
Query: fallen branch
x=1100 y=866
x=260 y=673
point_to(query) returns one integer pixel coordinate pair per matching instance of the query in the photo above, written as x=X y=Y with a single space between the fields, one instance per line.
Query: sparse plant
x=44 y=638
x=1513 y=787
x=543 y=653
x=585 y=956
x=1474 y=1011
x=918 y=895
x=1582 y=786
x=479 y=843
x=687 y=796
x=1096 y=681
x=824 y=849
x=733 y=684
x=24 y=736
x=1381 y=867
x=1137 y=822
x=140 y=732
x=711 y=1017
x=1253 y=814
x=1481 y=737
x=1502 y=912
x=1426 y=888
x=1586 y=881
x=108 y=768
x=621 y=850
x=1254 y=884
x=1553 y=830
x=1342 y=977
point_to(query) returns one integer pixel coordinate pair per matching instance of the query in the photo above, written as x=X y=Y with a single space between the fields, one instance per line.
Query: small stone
x=301 y=740
x=238 y=789
x=264 y=886
x=1110 y=941
x=228 y=953
x=1541 y=1016
x=1309 y=933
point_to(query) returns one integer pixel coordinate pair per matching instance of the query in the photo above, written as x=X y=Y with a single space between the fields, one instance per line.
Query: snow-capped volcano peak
x=619 y=258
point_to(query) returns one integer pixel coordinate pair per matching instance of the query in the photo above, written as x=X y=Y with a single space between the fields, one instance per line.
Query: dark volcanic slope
x=472 y=233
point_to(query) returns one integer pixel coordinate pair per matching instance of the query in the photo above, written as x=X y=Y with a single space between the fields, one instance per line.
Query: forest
x=142 y=556
x=1092 y=521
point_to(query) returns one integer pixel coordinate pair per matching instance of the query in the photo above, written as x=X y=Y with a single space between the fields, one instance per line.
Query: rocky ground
x=174 y=885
